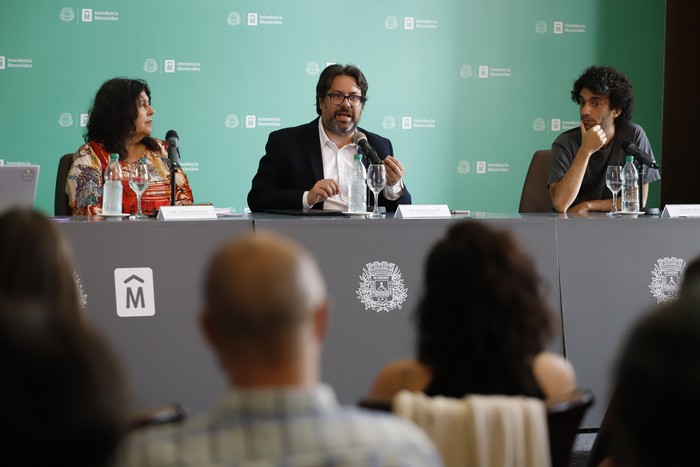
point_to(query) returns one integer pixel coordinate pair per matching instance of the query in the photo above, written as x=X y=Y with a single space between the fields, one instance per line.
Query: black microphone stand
x=173 y=170
x=172 y=140
x=641 y=170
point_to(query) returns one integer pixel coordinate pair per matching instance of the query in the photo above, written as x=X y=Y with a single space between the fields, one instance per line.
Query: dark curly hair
x=325 y=81
x=482 y=317
x=114 y=112
x=611 y=83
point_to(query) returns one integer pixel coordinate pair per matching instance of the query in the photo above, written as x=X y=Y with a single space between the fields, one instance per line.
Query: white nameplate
x=681 y=210
x=180 y=213
x=422 y=211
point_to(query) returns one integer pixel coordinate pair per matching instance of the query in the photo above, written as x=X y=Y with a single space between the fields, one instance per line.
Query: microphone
x=641 y=156
x=173 y=139
x=360 y=139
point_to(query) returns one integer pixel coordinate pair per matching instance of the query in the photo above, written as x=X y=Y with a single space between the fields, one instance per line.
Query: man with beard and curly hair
x=581 y=155
x=308 y=166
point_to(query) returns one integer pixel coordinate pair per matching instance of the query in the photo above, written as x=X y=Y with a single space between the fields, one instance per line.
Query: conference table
x=141 y=283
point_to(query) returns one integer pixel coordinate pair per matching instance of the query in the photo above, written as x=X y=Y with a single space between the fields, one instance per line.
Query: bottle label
x=112 y=197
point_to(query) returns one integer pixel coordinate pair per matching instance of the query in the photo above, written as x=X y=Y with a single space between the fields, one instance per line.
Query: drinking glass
x=138 y=180
x=613 y=180
x=376 y=181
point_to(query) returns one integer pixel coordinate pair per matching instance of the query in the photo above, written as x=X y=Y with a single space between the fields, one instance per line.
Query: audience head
x=609 y=82
x=482 y=317
x=325 y=81
x=265 y=305
x=691 y=275
x=65 y=400
x=36 y=263
x=657 y=386
x=114 y=114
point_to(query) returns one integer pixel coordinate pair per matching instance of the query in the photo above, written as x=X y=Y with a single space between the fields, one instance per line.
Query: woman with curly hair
x=482 y=324
x=121 y=122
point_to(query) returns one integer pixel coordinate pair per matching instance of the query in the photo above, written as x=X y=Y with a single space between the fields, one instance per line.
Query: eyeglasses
x=353 y=99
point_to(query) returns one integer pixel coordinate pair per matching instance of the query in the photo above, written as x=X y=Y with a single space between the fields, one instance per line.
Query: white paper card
x=681 y=210
x=180 y=213
x=422 y=211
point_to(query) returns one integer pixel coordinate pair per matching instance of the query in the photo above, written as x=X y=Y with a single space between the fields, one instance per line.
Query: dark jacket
x=292 y=164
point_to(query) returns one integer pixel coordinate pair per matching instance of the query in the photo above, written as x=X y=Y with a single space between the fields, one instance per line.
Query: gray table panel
x=360 y=341
x=606 y=268
x=164 y=356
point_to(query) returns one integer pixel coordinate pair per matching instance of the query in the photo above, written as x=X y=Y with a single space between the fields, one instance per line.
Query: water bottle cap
x=114 y=157
x=358 y=157
x=629 y=158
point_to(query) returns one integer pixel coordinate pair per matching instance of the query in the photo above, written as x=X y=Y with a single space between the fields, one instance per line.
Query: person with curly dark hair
x=121 y=122
x=482 y=324
x=580 y=156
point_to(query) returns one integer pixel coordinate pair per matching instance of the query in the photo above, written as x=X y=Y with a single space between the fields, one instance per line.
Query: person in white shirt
x=307 y=166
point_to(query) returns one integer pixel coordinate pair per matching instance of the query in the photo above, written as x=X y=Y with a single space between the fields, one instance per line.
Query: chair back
x=170 y=413
x=535 y=196
x=564 y=416
x=604 y=440
x=61 y=206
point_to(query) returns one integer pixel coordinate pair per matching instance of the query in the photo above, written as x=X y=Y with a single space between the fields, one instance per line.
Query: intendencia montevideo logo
x=232 y=121
x=233 y=18
x=151 y=65
x=66 y=120
x=17 y=63
x=67 y=14
x=87 y=15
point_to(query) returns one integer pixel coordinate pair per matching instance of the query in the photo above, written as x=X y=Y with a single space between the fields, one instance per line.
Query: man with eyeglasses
x=308 y=166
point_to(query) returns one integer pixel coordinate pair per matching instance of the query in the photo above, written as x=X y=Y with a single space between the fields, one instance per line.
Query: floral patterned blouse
x=85 y=180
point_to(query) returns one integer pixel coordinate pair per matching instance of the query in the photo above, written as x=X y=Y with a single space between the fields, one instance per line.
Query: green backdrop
x=466 y=90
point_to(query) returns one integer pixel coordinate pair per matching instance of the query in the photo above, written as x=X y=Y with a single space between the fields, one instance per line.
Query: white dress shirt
x=336 y=165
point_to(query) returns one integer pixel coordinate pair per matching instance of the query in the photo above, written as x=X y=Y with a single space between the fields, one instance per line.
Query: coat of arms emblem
x=666 y=278
x=381 y=287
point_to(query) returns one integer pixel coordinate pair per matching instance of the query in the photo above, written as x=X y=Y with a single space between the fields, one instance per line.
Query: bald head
x=261 y=285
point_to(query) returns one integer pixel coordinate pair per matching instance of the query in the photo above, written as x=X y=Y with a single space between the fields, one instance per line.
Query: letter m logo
x=134 y=292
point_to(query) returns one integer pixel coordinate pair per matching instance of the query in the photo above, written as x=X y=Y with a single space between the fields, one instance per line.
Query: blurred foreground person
x=657 y=381
x=36 y=263
x=265 y=316
x=65 y=400
x=482 y=324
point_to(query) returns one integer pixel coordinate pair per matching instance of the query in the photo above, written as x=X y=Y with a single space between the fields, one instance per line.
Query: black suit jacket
x=292 y=164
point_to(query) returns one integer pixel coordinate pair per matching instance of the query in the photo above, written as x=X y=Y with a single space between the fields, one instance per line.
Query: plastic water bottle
x=630 y=186
x=357 y=188
x=112 y=190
